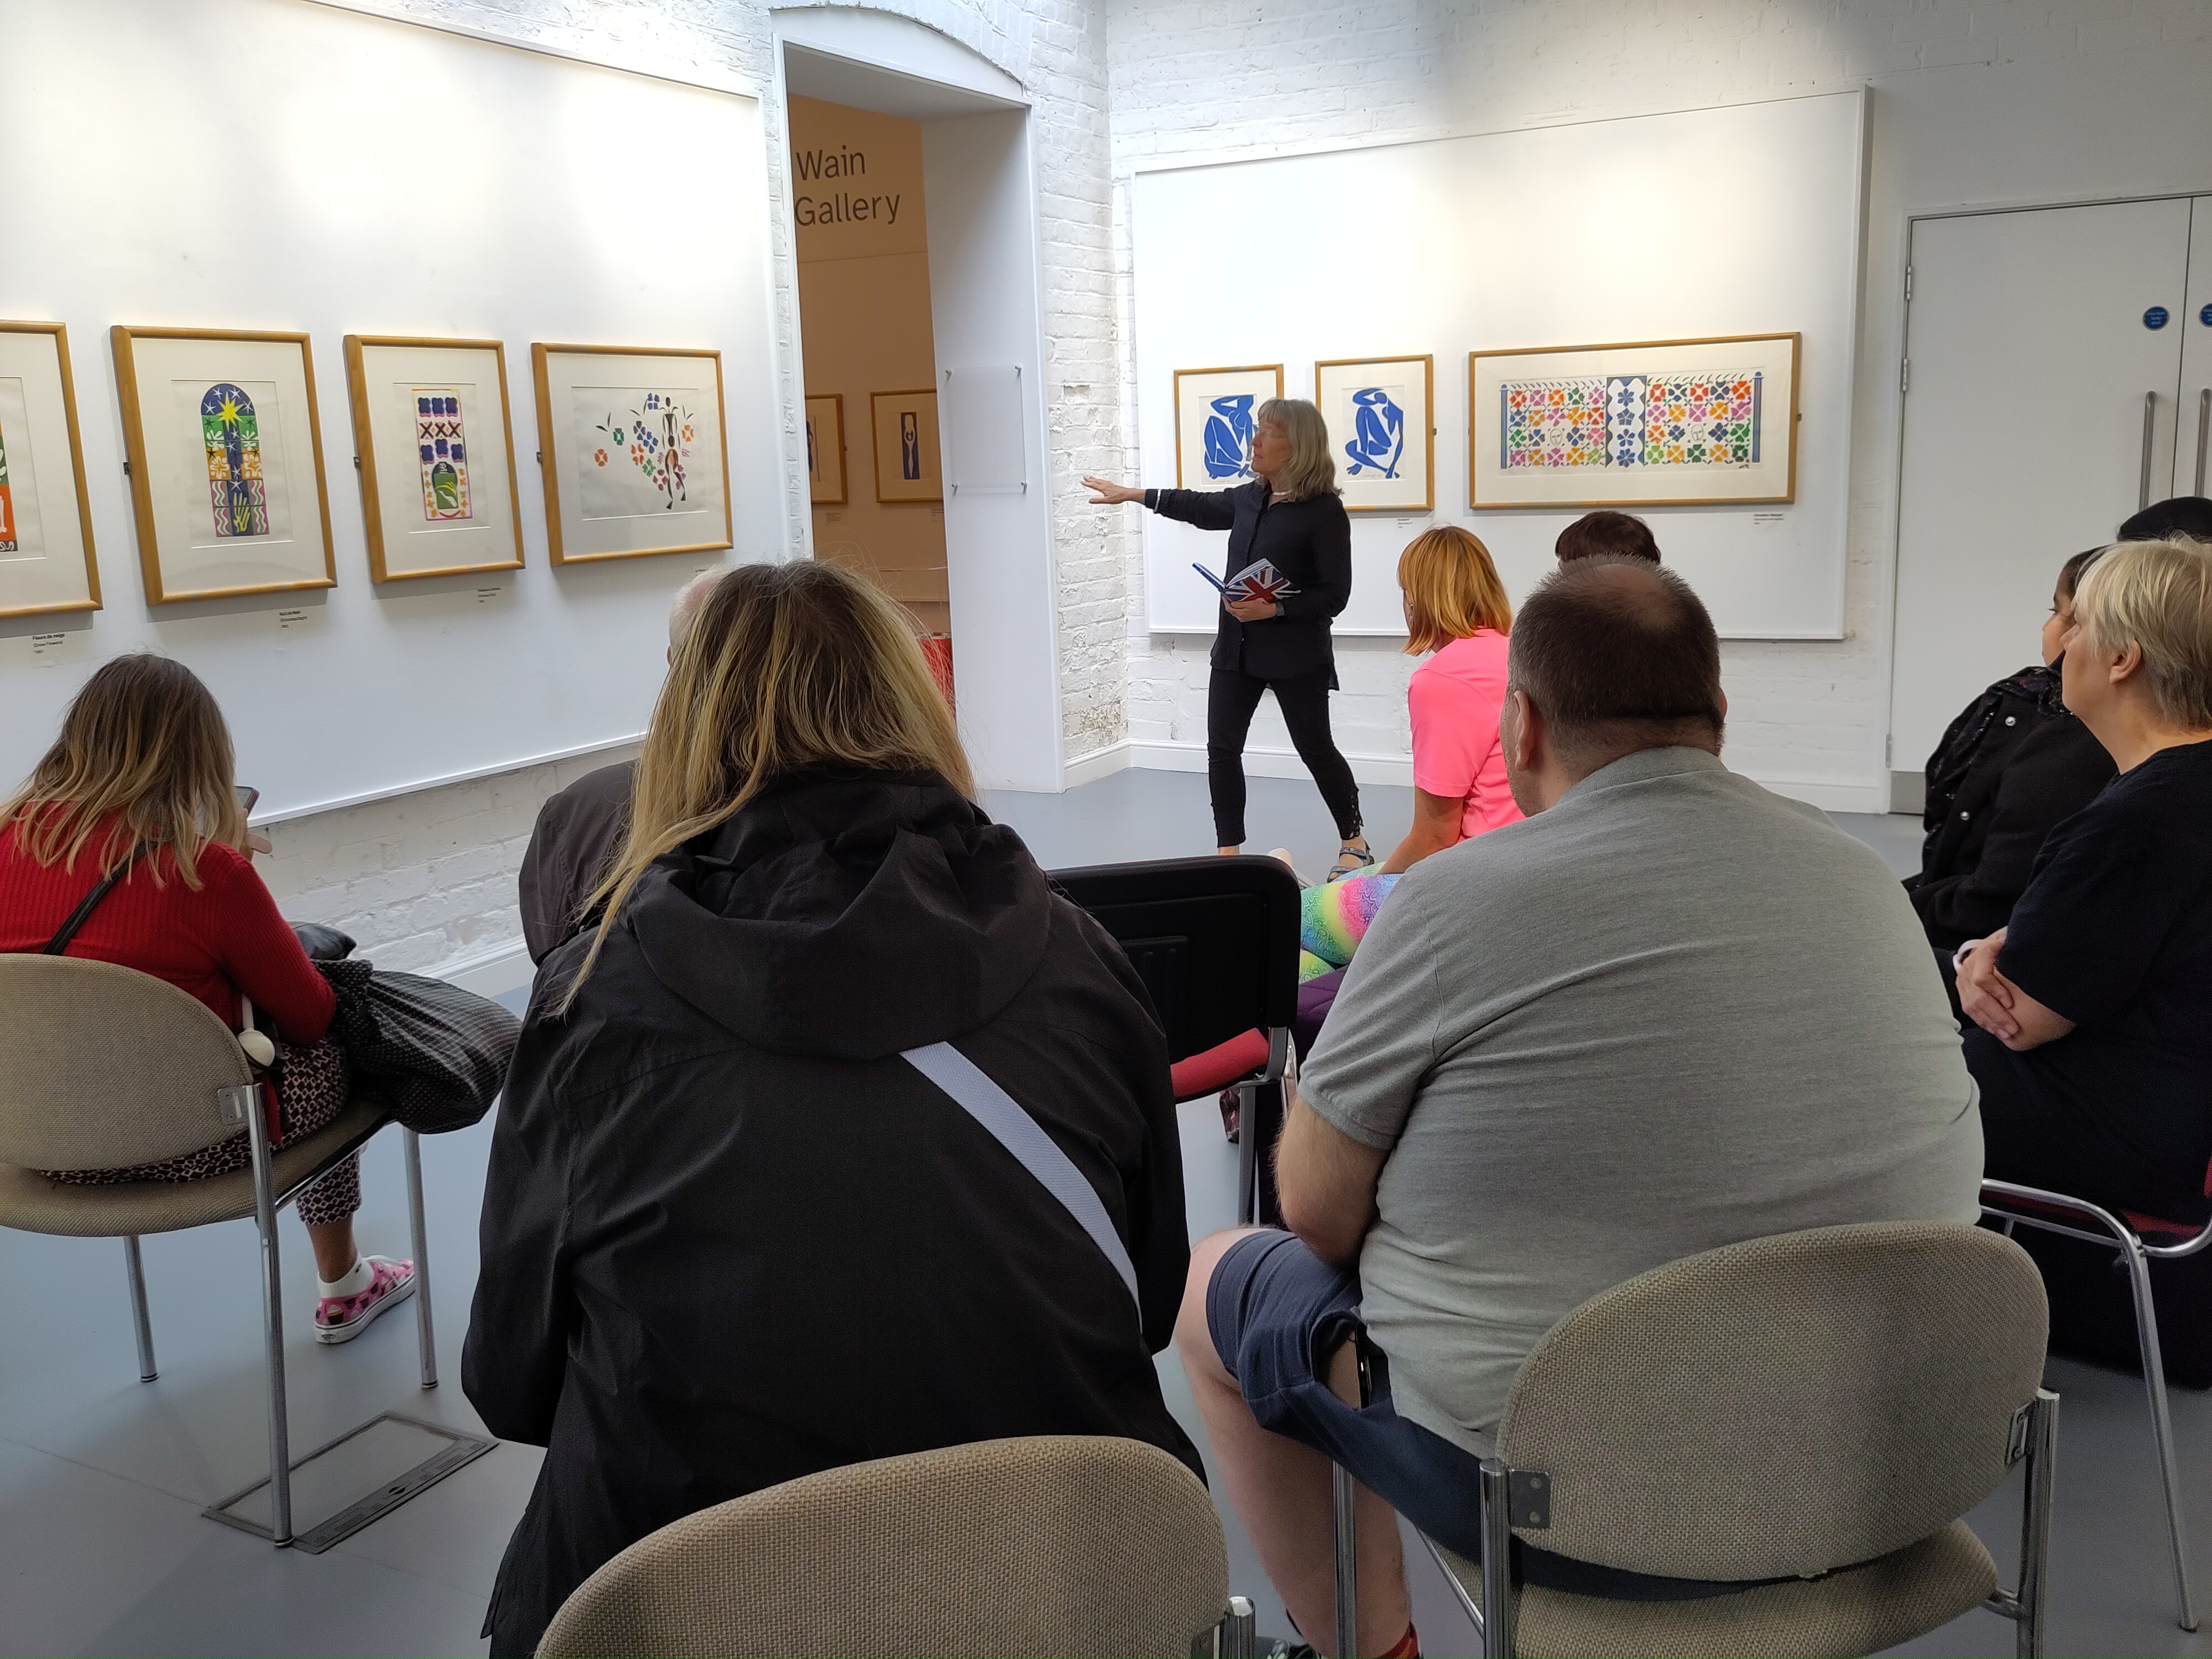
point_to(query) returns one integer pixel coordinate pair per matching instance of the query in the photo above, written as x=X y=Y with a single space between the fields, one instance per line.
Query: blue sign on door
x=2156 y=317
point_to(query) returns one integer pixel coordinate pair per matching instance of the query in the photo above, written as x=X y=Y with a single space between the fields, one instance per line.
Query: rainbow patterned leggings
x=1335 y=918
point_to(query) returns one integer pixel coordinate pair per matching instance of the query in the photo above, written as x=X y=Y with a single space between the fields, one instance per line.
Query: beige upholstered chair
x=1061 y=1544
x=105 y=1067
x=1818 y=1408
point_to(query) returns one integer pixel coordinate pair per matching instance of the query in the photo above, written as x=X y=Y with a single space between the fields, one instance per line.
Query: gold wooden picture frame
x=908 y=452
x=1369 y=407
x=430 y=505
x=1570 y=426
x=217 y=478
x=826 y=455
x=1213 y=422
x=48 y=562
x=634 y=451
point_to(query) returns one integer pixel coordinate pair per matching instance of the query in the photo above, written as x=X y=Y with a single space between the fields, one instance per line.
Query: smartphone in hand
x=247 y=795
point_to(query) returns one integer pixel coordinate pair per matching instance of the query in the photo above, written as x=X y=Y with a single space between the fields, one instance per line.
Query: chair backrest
x=1061 y=1544
x=1214 y=939
x=1783 y=1406
x=103 y=1067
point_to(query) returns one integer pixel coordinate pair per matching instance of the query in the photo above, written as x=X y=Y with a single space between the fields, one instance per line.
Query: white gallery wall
x=1969 y=102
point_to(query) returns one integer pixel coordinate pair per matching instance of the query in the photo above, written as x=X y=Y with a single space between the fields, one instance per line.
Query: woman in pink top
x=1457 y=607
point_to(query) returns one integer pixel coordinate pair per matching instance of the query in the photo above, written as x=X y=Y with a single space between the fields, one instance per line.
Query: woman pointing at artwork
x=1289 y=572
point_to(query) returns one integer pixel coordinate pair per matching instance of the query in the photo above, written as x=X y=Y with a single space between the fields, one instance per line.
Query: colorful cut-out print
x=1632 y=420
x=441 y=451
x=8 y=542
x=1378 y=432
x=232 y=433
x=1229 y=437
x=657 y=438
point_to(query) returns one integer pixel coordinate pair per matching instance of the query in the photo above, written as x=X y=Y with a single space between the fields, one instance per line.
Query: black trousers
x=1231 y=697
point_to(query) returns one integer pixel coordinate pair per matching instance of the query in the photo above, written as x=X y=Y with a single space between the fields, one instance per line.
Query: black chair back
x=1214 y=939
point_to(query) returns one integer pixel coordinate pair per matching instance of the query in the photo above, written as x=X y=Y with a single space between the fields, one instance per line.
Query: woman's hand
x=256 y=842
x=1252 y=610
x=1109 y=493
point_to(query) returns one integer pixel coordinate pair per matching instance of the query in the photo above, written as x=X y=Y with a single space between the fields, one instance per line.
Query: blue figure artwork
x=1378 y=432
x=1229 y=437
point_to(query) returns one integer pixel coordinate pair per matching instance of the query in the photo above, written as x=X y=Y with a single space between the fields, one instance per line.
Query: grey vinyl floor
x=103 y=1549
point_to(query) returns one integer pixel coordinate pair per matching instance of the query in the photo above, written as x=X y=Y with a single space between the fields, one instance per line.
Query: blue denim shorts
x=1276 y=1312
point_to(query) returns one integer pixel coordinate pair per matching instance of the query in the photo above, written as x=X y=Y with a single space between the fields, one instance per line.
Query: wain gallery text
x=842 y=209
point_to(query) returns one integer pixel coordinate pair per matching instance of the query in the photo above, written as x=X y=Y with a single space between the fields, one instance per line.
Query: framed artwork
x=825 y=449
x=1214 y=411
x=47 y=562
x=1381 y=418
x=634 y=459
x=437 y=455
x=1658 y=424
x=226 y=456
x=907 y=465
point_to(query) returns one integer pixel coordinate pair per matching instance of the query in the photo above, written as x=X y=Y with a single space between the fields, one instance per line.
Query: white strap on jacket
x=1012 y=1128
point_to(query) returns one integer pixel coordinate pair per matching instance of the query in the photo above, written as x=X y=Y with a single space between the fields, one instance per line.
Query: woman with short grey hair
x=1289 y=573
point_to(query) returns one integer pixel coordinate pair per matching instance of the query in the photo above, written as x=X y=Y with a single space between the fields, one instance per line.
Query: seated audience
x=580 y=828
x=2012 y=765
x=2189 y=516
x=1670 y=1011
x=138 y=787
x=2094 y=1004
x=1606 y=535
x=730 y=1237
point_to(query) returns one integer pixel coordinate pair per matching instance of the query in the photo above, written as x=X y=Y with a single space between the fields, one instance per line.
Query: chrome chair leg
x=140 y=1318
x=1498 y=1609
x=2161 y=1422
x=272 y=1311
x=1346 y=1492
x=425 y=1330
x=1247 y=1156
x=2035 y=1524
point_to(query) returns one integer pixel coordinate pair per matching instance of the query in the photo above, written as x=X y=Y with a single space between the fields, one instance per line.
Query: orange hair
x=1451 y=589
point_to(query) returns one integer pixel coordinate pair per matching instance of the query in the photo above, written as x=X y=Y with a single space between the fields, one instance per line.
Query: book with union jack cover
x=1259 y=579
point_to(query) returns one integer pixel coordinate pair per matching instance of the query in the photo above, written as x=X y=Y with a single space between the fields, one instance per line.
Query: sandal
x=1365 y=856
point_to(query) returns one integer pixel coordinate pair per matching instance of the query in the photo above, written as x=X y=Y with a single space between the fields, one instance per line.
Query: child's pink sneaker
x=342 y=1318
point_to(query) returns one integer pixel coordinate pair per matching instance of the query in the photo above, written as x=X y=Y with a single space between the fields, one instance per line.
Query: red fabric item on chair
x=1216 y=1068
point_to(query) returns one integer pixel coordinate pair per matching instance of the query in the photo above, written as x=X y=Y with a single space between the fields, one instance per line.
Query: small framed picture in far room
x=47 y=562
x=225 y=449
x=633 y=462
x=907 y=464
x=1214 y=413
x=1654 y=423
x=825 y=449
x=1380 y=414
x=436 y=450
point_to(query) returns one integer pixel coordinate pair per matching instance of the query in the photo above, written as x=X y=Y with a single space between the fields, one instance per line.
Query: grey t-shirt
x=1673 y=1012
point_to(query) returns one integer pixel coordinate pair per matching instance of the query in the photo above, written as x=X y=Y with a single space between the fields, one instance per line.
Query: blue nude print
x=1378 y=428
x=1229 y=437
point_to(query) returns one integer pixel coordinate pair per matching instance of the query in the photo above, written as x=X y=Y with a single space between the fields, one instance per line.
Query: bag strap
x=60 y=942
x=1012 y=1128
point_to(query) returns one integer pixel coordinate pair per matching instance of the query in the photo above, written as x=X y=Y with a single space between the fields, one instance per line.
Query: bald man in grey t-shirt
x=1667 y=1011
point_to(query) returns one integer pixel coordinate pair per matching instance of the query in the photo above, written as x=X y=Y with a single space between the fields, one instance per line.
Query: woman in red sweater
x=140 y=781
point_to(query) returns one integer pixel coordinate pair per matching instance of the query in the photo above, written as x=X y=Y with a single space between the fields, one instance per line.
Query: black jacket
x=2010 y=768
x=578 y=832
x=731 y=1238
x=1310 y=542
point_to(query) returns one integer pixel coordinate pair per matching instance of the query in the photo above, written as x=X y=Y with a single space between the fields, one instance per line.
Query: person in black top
x=1277 y=640
x=730 y=1235
x=2177 y=515
x=2015 y=763
x=2094 y=1006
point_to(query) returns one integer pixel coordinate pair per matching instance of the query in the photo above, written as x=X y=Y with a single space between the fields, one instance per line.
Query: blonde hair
x=1311 y=469
x=142 y=743
x=2158 y=596
x=1451 y=589
x=784 y=669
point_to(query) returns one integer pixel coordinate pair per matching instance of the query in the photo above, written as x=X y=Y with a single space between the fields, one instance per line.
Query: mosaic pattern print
x=8 y=538
x=657 y=440
x=233 y=437
x=442 y=453
x=1229 y=437
x=1630 y=420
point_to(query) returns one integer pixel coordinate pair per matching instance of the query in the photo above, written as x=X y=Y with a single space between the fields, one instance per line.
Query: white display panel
x=1722 y=222
x=279 y=165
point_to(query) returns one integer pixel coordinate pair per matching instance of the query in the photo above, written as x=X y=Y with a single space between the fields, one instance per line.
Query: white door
x=2193 y=451
x=2030 y=366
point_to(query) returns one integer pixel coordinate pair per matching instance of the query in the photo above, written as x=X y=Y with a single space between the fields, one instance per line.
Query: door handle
x=2151 y=418
x=2204 y=429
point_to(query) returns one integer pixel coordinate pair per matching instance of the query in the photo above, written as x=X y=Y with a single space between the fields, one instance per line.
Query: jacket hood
x=848 y=916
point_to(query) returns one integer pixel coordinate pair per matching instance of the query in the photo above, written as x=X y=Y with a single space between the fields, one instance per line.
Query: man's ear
x=1528 y=731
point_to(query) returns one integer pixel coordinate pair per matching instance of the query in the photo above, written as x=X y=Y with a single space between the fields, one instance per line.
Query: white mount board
x=1742 y=220
x=275 y=164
